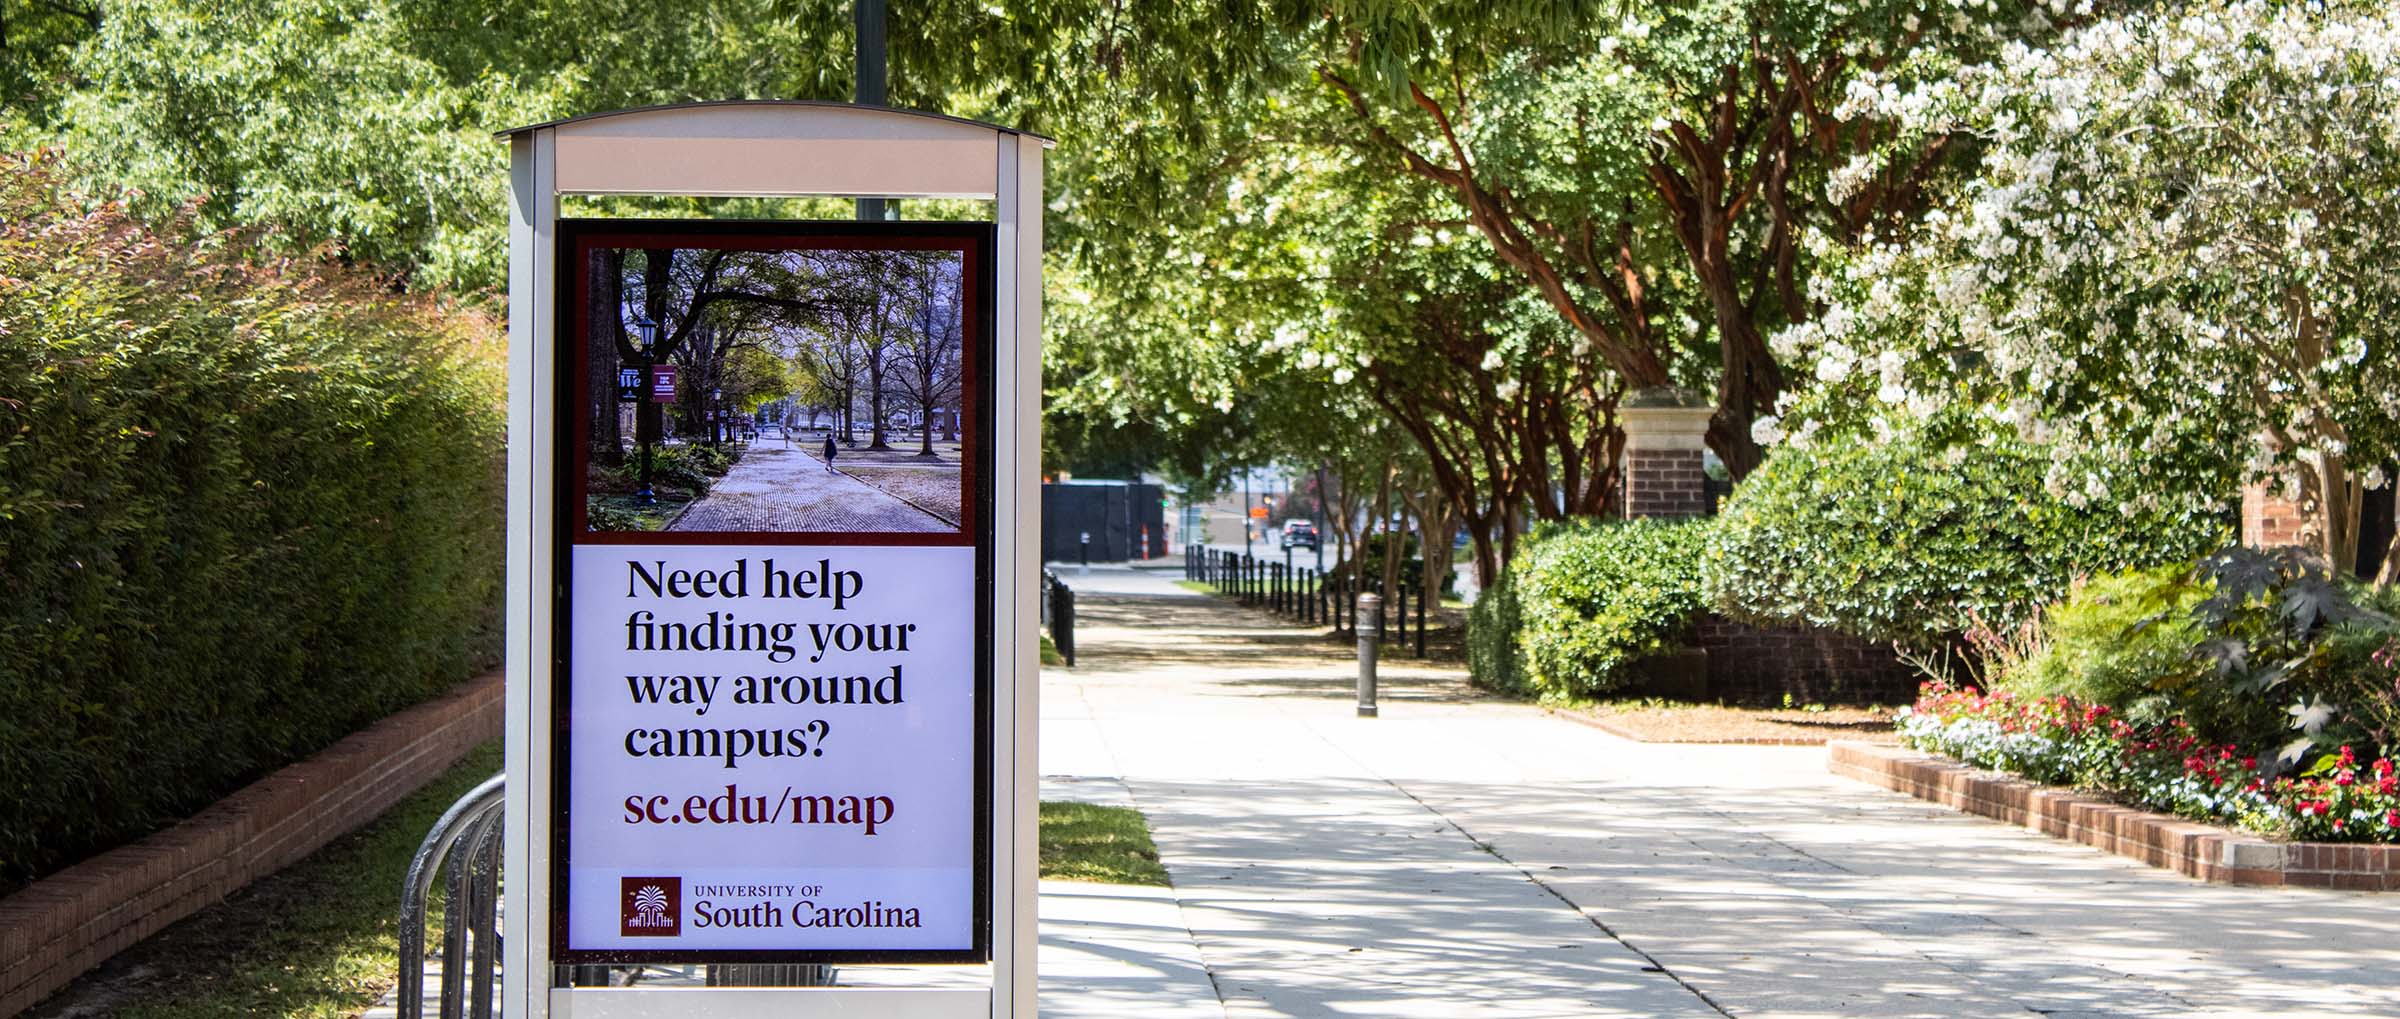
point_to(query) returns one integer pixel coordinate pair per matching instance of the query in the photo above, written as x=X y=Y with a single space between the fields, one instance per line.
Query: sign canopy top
x=777 y=148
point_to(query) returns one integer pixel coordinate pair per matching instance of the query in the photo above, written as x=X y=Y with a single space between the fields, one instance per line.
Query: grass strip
x=1109 y=845
x=319 y=939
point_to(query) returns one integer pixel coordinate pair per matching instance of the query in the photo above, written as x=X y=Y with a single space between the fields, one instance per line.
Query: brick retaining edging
x=2188 y=848
x=54 y=929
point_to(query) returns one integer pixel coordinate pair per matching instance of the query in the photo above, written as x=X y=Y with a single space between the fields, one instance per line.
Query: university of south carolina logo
x=650 y=907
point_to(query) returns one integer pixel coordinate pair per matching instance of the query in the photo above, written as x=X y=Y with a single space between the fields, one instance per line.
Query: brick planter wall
x=1758 y=664
x=2193 y=850
x=58 y=927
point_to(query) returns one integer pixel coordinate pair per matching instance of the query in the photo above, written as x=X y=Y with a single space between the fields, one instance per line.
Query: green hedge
x=1583 y=604
x=1914 y=539
x=1492 y=624
x=244 y=510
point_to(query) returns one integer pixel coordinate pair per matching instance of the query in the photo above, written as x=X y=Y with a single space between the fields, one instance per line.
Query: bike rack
x=467 y=838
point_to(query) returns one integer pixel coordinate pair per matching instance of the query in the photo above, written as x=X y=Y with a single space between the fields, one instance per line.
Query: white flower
x=1767 y=431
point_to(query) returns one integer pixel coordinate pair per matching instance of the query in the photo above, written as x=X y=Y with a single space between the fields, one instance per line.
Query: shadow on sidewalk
x=1251 y=653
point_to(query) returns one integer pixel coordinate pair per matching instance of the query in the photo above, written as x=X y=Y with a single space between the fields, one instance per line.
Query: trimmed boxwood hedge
x=1583 y=603
x=1909 y=540
x=244 y=510
x=1912 y=539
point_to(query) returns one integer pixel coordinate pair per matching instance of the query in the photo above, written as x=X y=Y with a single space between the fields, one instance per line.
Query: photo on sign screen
x=796 y=386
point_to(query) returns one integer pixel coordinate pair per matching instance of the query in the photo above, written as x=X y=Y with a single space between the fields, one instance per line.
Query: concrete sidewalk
x=1463 y=856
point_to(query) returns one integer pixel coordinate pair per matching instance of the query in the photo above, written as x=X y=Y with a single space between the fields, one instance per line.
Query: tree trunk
x=605 y=444
x=1434 y=522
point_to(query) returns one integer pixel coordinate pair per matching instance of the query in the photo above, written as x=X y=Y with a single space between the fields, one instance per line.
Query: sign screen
x=774 y=691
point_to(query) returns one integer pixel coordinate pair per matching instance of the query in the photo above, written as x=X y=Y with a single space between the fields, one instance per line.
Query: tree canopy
x=2172 y=261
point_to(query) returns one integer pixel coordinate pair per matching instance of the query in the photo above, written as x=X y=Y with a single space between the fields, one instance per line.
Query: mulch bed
x=1650 y=722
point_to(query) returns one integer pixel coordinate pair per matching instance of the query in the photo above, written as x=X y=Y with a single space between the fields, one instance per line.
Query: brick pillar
x=1665 y=432
x=2269 y=519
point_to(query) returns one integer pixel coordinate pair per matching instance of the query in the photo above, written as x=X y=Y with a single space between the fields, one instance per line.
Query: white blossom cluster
x=2183 y=227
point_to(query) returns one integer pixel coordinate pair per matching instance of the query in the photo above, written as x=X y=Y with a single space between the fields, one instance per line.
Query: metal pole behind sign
x=867 y=18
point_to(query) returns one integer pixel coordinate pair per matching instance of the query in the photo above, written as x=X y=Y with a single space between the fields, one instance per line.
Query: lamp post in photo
x=646 y=413
x=716 y=417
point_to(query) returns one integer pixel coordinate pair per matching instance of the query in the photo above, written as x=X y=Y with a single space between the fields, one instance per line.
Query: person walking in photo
x=828 y=452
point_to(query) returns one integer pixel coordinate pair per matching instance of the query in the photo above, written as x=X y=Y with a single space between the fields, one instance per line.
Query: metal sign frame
x=772 y=149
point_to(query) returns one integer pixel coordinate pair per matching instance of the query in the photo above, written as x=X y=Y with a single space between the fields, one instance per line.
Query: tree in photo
x=928 y=363
x=2176 y=255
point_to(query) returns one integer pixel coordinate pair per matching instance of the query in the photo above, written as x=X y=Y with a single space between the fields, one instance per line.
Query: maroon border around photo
x=764 y=237
x=569 y=422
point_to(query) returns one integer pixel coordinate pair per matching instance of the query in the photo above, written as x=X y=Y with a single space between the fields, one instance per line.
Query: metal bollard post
x=1084 y=550
x=1372 y=609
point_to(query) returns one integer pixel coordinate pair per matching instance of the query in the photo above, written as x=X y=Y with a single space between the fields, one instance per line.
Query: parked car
x=1300 y=534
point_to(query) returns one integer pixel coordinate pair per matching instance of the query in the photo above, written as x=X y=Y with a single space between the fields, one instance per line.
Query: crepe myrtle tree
x=1650 y=170
x=2178 y=252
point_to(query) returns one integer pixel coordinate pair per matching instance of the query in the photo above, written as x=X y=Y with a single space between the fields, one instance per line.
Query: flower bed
x=2057 y=741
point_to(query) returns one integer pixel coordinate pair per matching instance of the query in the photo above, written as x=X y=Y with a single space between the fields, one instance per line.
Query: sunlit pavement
x=1467 y=857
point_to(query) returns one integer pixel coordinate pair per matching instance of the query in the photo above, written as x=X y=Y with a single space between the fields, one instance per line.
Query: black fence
x=1058 y=614
x=1302 y=594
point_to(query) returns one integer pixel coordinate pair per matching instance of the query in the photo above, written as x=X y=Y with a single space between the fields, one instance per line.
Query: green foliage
x=2125 y=640
x=243 y=511
x=1594 y=599
x=685 y=467
x=608 y=516
x=1368 y=561
x=2264 y=650
x=1917 y=538
x=2291 y=648
x=2172 y=250
x=713 y=461
x=1492 y=626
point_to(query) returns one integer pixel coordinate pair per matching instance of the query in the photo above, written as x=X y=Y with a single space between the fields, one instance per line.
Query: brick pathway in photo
x=778 y=489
